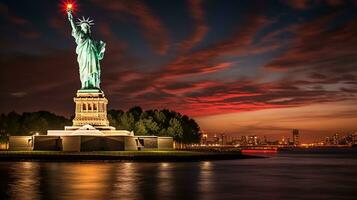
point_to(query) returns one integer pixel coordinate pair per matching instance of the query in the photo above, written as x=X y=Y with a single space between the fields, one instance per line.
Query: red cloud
x=216 y=97
x=154 y=30
x=298 y=4
x=305 y=4
x=205 y=60
x=316 y=47
x=197 y=13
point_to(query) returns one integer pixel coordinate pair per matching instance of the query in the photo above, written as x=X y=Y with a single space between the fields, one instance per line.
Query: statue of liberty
x=89 y=52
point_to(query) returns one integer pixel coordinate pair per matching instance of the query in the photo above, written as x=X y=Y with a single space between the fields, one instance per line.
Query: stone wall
x=165 y=143
x=20 y=143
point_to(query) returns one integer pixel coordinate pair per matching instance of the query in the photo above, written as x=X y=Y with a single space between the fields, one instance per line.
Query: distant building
x=249 y=140
x=223 y=139
x=296 y=137
x=354 y=139
x=204 y=138
x=335 y=139
x=215 y=139
x=253 y=140
x=327 y=141
x=283 y=141
x=265 y=141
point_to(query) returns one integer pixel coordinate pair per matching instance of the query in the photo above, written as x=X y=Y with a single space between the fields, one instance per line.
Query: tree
x=28 y=123
x=114 y=117
x=127 y=122
x=140 y=128
x=151 y=126
x=13 y=123
x=159 y=117
x=191 y=130
x=175 y=129
x=136 y=112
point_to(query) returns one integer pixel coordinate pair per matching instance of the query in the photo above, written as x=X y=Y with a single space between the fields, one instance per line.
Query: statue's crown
x=85 y=21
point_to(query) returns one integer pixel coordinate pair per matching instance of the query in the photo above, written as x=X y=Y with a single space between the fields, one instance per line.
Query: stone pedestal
x=91 y=108
x=90 y=131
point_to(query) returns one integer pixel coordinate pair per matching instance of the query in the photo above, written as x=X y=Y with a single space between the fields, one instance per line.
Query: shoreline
x=145 y=156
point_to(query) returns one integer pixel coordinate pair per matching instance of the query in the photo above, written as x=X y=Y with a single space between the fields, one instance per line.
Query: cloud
x=206 y=60
x=18 y=94
x=298 y=4
x=35 y=74
x=115 y=47
x=152 y=26
x=60 y=24
x=215 y=97
x=320 y=54
x=39 y=82
x=207 y=97
x=201 y=28
x=30 y=34
x=307 y=4
x=22 y=25
x=11 y=17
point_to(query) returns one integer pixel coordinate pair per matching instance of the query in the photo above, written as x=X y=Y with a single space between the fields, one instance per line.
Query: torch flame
x=69 y=6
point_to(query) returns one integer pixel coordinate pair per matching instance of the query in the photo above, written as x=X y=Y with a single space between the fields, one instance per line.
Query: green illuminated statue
x=89 y=52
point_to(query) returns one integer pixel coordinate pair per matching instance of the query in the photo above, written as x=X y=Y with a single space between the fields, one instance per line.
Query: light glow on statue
x=69 y=6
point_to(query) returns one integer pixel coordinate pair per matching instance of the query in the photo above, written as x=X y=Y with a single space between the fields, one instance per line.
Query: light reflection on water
x=125 y=183
x=205 y=183
x=26 y=174
x=165 y=178
x=281 y=177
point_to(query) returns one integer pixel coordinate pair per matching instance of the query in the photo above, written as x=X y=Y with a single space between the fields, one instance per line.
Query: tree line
x=151 y=122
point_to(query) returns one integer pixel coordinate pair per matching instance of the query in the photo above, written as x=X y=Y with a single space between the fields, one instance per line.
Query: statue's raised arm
x=70 y=19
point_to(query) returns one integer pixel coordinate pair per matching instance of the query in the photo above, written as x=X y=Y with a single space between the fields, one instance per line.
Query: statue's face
x=85 y=28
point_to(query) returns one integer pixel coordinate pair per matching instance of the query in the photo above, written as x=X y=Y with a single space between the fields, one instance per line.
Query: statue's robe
x=89 y=54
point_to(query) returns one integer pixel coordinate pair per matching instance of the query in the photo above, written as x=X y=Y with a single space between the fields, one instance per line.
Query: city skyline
x=236 y=67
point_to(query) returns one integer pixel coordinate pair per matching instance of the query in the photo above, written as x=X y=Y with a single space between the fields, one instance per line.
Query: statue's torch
x=69 y=7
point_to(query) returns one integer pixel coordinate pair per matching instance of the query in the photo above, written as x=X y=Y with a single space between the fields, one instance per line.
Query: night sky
x=239 y=67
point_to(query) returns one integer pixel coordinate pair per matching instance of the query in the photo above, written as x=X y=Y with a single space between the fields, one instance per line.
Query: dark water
x=285 y=176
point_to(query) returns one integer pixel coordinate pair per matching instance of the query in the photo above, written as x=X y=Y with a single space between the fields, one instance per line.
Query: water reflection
x=165 y=182
x=87 y=180
x=206 y=180
x=25 y=181
x=125 y=185
x=276 y=178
